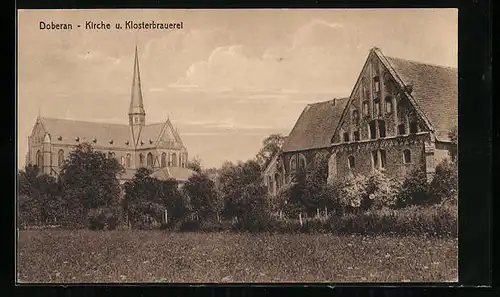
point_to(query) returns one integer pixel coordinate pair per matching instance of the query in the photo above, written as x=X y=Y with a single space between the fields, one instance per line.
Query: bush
x=381 y=190
x=414 y=189
x=103 y=218
x=445 y=181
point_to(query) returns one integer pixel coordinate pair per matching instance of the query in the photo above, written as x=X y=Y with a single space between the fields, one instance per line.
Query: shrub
x=352 y=190
x=414 y=189
x=445 y=181
x=381 y=190
x=103 y=218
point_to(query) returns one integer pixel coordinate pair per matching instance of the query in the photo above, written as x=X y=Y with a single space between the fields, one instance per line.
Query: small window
x=355 y=116
x=401 y=129
x=375 y=159
x=376 y=84
x=129 y=158
x=351 y=162
x=388 y=104
x=60 y=158
x=293 y=163
x=383 y=160
x=376 y=107
x=413 y=127
x=346 y=137
x=381 y=128
x=355 y=135
x=373 y=130
x=365 y=108
x=407 y=156
x=136 y=120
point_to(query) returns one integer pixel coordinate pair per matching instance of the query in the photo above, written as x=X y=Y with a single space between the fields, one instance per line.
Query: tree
x=88 y=180
x=444 y=184
x=232 y=180
x=453 y=135
x=195 y=164
x=414 y=189
x=381 y=190
x=203 y=196
x=270 y=146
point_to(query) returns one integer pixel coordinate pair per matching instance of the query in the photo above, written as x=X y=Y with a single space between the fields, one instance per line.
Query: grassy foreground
x=155 y=256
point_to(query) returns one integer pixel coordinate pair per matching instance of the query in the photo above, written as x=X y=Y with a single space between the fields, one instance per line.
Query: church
x=398 y=116
x=156 y=146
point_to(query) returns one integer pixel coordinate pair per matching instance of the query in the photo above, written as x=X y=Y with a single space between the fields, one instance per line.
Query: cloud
x=317 y=60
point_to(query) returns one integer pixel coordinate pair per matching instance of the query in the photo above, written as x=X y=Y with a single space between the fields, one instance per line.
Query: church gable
x=168 y=137
x=378 y=106
x=38 y=133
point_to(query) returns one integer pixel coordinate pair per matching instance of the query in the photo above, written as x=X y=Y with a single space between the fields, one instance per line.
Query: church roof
x=435 y=90
x=63 y=131
x=315 y=126
x=177 y=173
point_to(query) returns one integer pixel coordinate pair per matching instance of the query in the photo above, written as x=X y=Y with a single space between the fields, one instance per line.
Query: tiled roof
x=435 y=90
x=177 y=173
x=315 y=126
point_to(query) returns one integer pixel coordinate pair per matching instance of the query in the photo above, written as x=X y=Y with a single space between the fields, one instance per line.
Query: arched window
x=141 y=159
x=413 y=125
x=381 y=128
x=293 y=163
x=401 y=129
x=163 y=160
x=388 y=104
x=355 y=116
x=376 y=85
x=129 y=160
x=383 y=160
x=39 y=160
x=379 y=159
x=351 y=162
x=169 y=160
x=407 y=156
x=345 y=136
x=355 y=136
x=150 y=160
x=376 y=107
x=372 y=126
x=174 y=160
x=302 y=162
x=60 y=158
x=122 y=161
x=365 y=108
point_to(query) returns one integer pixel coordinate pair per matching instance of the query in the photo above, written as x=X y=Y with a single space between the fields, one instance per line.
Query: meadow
x=82 y=256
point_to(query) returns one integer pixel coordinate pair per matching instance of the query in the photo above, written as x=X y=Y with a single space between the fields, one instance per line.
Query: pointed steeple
x=136 y=103
x=136 y=114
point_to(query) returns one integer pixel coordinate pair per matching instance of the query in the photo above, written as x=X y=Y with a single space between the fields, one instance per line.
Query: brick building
x=156 y=146
x=398 y=116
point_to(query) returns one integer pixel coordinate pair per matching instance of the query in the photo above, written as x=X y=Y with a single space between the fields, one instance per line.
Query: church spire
x=136 y=104
x=136 y=114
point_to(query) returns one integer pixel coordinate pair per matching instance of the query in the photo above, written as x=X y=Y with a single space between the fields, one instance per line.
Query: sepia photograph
x=237 y=146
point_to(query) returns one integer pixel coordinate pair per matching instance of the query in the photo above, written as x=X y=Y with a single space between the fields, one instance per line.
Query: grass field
x=154 y=256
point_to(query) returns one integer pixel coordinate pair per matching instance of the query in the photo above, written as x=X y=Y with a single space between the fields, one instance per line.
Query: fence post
x=166 y=216
x=300 y=219
x=317 y=212
x=326 y=211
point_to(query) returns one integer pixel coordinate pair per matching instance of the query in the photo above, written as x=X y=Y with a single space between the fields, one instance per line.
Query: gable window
x=413 y=127
x=373 y=129
x=407 y=156
x=355 y=135
x=351 y=162
x=381 y=128
x=365 y=108
x=174 y=160
x=150 y=160
x=388 y=104
x=346 y=137
x=60 y=158
x=376 y=85
x=355 y=116
x=163 y=160
x=376 y=107
x=293 y=163
x=141 y=159
x=401 y=129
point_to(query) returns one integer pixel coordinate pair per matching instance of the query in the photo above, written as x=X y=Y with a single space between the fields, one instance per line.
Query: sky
x=226 y=80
